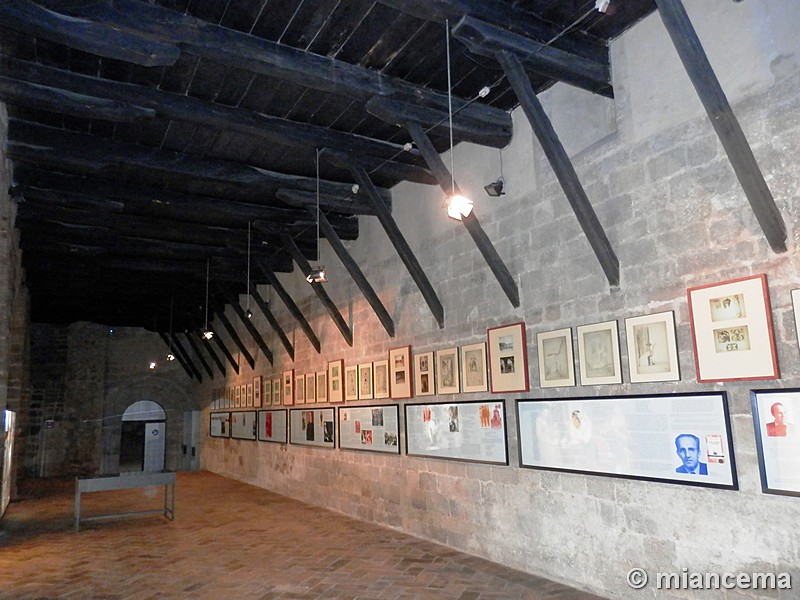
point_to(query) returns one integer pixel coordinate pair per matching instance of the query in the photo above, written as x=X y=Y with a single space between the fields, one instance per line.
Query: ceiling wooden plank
x=719 y=111
x=258 y=55
x=486 y=40
x=29 y=17
x=562 y=166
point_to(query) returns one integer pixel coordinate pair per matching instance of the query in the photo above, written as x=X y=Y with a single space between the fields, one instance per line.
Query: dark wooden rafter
x=178 y=356
x=85 y=35
x=236 y=49
x=251 y=329
x=562 y=166
x=294 y=310
x=393 y=232
x=355 y=271
x=210 y=350
x=194 y=110
x=32 y=95
x=705 y=82
x=471 y=223
x=276 y=326
x=505 y=16
x=178 y=346
x=199 y=354
x=224 y=349
x=483 y=38
x=90 y=154
x=319 y=290
x=220 y=314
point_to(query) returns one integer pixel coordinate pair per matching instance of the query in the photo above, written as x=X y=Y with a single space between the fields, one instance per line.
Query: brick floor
x=232 y=540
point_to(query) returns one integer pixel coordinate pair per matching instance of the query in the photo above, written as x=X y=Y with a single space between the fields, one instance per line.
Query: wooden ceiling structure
x=162 y=145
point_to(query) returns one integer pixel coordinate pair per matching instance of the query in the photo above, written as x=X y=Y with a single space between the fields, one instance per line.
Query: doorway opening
x=143 y=438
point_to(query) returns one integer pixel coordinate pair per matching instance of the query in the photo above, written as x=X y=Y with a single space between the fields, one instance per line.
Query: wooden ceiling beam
x=263 y=305
x=29 y=17
x=220 y=314
x=233 y=301
x=487 y=40
x=178 y=356
x=393 y=233
x=196 y=347
x=719 y=111
x=242 y=51
x=561 y=165
x=470 y=222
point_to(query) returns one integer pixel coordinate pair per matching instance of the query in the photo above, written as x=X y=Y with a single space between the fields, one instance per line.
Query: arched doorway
x=143 y=437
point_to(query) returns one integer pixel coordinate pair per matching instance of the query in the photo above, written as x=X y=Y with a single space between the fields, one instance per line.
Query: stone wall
x=676 y=217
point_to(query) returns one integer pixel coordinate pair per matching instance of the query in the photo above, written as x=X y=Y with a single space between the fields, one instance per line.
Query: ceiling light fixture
x=495 y=188
x=207 y=333
x=318 y=274
x=248 y=312
x=458 y=206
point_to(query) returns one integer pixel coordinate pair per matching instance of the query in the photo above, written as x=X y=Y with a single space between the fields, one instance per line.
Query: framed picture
x=287 y=394
x=400 y=372
x=229 y=397
x=243 y=388
x=335 y=381
x=652 y=349
x=380 y=376
x=473 y=368
x=674 y=438
x=267 y=395
x=776 y=414
x=423 y=374
x=300 y=389
x=244 y=425
x=470 y=431
x=351 y=382
x=598 y=353
x=508 y=358
x=796 y=307
x=365 y=381
x=312 y=427
x=311 y=388
x=732 y=330
x=220 y=425
x=257 y=391
x=237 y=401
x=322 y=386
x=276 y=392
x=273 y=426
x=556 y=360
x=250 y=392
x=447 y=371
x=370 y=428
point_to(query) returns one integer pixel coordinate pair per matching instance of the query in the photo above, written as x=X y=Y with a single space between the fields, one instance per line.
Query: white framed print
x=598 y=353
x=556 y=358
x=652 y=348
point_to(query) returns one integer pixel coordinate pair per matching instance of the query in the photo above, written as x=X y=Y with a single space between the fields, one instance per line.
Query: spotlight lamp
x=495 y=188
x=152 y=365
x=208 y=334
x=458 y=207
x=170 y=357
x=317 y=275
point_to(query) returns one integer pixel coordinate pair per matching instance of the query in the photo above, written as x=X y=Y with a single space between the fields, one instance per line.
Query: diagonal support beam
x=211 y=353
x=355 y=272
x=264 y=306
x=176 y=343
x=224 y=349
x=196 y=347
x=393 y=232
x=319 y=290
x=561 y=164
x=290 y=304
x=236 y=339
x=471 y=223
x=251 y=329
x=705 y=82
x=178 y=355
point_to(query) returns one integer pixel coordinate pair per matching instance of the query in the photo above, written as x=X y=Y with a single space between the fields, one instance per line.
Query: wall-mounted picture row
x=732 y=335
x=674 y=438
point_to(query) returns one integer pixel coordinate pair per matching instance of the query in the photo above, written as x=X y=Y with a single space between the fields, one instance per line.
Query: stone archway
x=139 y=397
